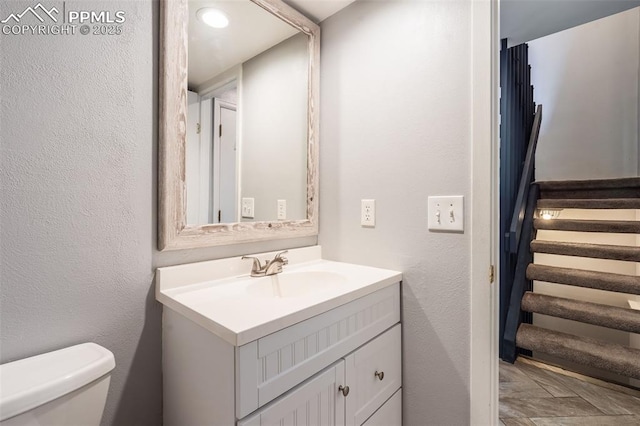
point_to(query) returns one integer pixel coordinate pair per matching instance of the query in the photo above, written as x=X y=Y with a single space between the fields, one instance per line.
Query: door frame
x=485 y=208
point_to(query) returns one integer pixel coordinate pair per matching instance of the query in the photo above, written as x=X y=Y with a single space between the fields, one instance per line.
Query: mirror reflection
x=247 y=116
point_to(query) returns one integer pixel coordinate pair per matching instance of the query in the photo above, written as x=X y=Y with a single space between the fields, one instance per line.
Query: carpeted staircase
x=592 y=194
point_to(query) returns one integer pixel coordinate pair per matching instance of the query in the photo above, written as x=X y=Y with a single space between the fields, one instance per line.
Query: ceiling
x=318 y=10
x=525 y=20
x=251 y=31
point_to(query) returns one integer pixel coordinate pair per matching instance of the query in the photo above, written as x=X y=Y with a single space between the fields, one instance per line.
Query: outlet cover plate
x=282 y=209
x=446 y=214
x=368 y=213
x=248 y=205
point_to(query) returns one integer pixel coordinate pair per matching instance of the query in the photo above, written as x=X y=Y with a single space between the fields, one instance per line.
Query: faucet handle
x=257 y=264
x=283 y=259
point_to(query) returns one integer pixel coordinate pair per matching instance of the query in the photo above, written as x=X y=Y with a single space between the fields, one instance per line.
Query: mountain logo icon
x=39 y=11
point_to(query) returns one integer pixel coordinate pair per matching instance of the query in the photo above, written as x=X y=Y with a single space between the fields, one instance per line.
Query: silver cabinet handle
x=379 y=375
x=344 y=390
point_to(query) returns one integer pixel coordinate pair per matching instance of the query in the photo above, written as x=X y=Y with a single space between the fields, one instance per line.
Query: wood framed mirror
x=238 y=157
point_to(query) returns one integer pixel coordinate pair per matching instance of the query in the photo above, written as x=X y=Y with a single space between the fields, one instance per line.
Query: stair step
x=596 y=203
x=612 y=226
x=564 y=185
x=596 y=188
x=590 y=313
x=590 y=352
x=589 y=279
x=598 y=251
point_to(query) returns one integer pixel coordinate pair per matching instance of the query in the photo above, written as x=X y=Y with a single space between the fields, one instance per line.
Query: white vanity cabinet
x=372 y=374
x=292 y=376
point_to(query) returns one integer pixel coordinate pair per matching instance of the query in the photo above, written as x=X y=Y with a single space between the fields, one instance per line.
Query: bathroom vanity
x=318 y=344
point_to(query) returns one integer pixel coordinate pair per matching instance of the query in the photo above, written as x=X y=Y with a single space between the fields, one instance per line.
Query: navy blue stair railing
x=521 y=233
x=519 y=124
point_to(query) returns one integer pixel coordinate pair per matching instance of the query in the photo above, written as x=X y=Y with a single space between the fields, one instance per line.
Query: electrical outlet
x=446 y=214
x=368 y=213
x=248 y=208
x=282 y=209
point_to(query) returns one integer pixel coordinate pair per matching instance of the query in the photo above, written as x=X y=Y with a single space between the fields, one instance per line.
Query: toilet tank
x=64 y=387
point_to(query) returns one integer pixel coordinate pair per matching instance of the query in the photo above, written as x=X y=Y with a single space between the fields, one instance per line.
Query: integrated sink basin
x=220 y=295
x=295 y=284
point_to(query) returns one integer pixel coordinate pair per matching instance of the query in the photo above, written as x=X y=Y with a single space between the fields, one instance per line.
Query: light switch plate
x=248 y=208
x=446 y=214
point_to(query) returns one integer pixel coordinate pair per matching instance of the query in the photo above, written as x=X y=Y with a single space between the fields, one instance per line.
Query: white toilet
x=65 y=387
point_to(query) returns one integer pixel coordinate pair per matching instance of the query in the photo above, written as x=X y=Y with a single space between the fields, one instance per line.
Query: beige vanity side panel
x=288 y=357
x=198 y=374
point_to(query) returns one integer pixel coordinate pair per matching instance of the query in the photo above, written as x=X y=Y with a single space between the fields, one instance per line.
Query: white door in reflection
x=224 y=163
x=211 y=159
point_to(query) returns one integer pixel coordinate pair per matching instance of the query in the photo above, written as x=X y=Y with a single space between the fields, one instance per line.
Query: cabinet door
x=316 y=403
x=390 y=414
x=374 y=374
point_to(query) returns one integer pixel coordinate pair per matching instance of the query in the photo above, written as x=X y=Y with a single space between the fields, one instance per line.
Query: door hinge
x=220 y=131
x=198 y=128
x=219 y=215
x=492 y=274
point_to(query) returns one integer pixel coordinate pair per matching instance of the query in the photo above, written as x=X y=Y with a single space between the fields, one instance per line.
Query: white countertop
x=240 y=309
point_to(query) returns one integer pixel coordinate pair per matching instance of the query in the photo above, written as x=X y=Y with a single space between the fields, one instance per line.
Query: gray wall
x=78 y=134
x=78 y=170
x=396 y=127
x=274 y=129
x=586 y=78
x=78 y=149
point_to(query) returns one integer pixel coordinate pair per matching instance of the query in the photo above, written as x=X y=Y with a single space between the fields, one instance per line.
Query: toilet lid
x=28 y=383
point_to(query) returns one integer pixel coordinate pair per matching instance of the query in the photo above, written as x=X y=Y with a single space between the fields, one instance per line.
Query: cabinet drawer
x=268 y=367
x=368 y=389
x=390 y=414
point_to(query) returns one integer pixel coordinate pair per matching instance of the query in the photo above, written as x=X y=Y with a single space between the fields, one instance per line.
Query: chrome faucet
x=270 y=267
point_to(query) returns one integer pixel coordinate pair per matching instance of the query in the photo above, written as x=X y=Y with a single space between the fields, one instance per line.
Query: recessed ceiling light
x=213 y=17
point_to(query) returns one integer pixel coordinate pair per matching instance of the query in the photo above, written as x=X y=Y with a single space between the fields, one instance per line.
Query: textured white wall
x=78 y=151
x=78 y=169
x=274 y=129
x=77 y=118
x=396 y=127
x=586 y=78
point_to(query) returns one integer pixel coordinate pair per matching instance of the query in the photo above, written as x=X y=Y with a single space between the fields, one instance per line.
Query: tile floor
x=533 y=393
